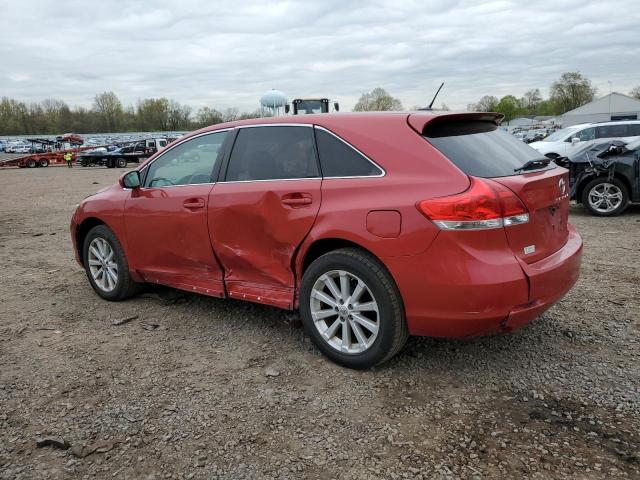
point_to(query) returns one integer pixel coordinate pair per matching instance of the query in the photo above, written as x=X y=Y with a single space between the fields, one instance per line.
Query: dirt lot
x=203 y=388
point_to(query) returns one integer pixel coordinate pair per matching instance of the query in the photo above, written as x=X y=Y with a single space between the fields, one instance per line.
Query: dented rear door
x=256 y=221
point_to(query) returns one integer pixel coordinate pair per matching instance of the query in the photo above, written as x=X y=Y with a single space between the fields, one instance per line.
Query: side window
x=191 y=162
x=338 y=159
x=634 y=129
x=612 y=131
x=586 y=134
x=271 y=153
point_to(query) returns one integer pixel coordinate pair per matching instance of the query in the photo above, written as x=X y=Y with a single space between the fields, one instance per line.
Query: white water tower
x=273 y=102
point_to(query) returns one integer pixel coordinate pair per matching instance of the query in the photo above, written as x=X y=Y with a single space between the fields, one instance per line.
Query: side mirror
x=130 y=180
x=287 y=108
x=575 y=140
x=336 y=106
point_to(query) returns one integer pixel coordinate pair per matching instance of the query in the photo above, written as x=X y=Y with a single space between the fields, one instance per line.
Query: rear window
x=339 y=159
x=612 y=131
x=480 y=148
x=634 y=129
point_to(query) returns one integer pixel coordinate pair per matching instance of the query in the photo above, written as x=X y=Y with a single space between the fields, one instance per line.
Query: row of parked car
x=603 y=160
x=20 y=147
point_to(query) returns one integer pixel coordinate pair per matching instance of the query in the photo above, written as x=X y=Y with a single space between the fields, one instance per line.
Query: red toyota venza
x=376 y=226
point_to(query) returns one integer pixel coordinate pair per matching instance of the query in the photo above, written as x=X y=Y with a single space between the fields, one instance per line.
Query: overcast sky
x=227 y=53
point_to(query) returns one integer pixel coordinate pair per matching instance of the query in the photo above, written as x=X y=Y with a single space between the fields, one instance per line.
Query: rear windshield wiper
x=533 y=164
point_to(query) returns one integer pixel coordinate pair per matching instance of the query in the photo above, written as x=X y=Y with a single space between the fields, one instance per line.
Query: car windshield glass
x=310 y=106
x=480 y=148
x=559 y=135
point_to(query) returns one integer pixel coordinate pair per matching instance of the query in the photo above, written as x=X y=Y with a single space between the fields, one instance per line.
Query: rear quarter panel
x=414 y=171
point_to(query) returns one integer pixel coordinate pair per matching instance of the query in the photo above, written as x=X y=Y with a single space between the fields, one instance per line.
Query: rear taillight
x=486 y=204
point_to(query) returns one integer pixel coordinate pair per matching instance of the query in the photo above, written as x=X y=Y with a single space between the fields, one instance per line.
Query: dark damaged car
x=605 y=175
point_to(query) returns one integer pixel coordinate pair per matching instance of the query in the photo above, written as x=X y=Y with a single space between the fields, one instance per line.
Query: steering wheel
x=160 y=182
x=198 y=178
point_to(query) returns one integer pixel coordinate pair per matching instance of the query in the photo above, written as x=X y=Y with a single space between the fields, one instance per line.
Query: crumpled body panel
x=255 y=233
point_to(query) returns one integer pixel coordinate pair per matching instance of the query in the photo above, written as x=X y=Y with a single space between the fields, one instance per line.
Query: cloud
x=226 y=54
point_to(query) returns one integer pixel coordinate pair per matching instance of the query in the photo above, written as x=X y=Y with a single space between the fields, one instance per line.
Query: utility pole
x=609 y=81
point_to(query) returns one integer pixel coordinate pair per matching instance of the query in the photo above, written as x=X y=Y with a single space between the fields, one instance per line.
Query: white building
x=520 y=122
x=612 y=107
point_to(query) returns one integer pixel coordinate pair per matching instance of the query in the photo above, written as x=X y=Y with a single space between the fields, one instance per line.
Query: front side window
x=189 y=163
x=586 y=134
x=338 y=159
x=273 y=153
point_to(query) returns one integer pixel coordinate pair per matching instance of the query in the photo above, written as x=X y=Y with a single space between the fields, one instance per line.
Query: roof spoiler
x=418 y=121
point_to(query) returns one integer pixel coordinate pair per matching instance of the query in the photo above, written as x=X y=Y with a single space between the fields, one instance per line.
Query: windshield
x=480 y=148
x=560 y=134
x=309 y=106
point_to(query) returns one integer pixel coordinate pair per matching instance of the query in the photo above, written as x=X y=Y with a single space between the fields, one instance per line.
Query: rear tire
x=605 y=198
x=102 y=252
x=32 y=164
x=44 y=162
x=372 y=336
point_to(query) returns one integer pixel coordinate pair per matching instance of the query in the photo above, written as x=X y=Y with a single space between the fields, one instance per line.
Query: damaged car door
x=262 y=208
x=166 y=218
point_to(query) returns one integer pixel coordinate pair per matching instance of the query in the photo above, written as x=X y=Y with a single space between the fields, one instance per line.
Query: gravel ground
x=196 y=387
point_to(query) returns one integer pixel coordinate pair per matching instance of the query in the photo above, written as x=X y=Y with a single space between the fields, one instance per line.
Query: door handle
x=297 y=199
x=193 y=203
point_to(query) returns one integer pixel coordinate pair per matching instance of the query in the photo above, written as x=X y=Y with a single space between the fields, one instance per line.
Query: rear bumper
x=459 y=290
x=549 y=280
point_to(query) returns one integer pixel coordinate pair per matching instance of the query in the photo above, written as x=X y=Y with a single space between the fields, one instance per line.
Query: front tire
x=605 y=198
x=106 y=265
x=352 y=309
x=121 y=162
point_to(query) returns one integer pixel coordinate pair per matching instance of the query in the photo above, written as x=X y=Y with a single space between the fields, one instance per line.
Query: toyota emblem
x=562 y=186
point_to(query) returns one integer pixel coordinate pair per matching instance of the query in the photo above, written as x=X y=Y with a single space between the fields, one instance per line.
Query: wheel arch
x=81 y=233
x=319 y=246
x=325 y=245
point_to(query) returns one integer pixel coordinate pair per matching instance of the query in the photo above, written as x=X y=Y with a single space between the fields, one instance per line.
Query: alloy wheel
x=605 y=197
x=102 y=264
x=344 y=311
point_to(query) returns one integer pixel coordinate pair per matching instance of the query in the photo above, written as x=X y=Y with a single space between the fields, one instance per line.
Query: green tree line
x=108 y=114
x=570 y=91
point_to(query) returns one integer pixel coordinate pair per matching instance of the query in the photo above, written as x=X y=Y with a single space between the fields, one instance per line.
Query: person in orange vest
x=68 y=158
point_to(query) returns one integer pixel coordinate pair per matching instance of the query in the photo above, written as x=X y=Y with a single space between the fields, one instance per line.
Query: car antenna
x=434 y=99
